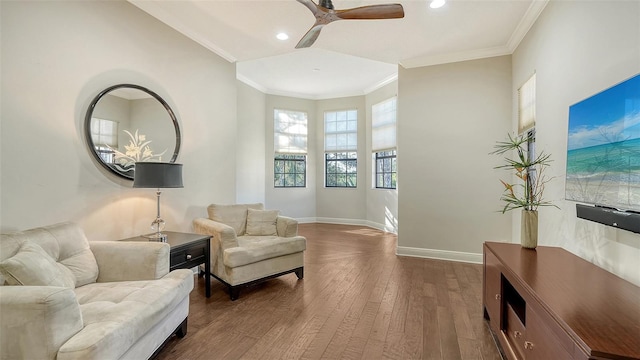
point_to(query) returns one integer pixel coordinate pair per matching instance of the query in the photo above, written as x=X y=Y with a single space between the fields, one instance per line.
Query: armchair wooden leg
x=181 y=331
x=234 y=293
x=300 y=272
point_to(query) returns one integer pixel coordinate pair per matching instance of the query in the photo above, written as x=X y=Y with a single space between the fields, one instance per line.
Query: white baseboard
x=341 y=221
x=440 y=254
x=309 y=220
x=458 y=256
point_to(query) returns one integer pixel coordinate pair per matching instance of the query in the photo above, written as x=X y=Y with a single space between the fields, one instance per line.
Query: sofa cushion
x=232 y=215
x=64 y=242
x=261 y=222
x=252 y=249
x=74 y=252
x=116 y=315
x=32 y=266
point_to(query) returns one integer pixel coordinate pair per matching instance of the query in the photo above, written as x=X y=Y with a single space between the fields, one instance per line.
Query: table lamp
x=157 y=175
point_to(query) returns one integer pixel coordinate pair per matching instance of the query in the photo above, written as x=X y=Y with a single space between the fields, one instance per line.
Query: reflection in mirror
x=128 y=123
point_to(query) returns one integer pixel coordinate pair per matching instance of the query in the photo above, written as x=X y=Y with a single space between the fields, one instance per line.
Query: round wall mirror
x=128 y=123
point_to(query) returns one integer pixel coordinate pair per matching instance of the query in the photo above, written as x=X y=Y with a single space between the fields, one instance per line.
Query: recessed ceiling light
x=436 y=4
x=282 y=36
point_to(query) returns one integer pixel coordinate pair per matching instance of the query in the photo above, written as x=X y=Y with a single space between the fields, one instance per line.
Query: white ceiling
x=351 y=57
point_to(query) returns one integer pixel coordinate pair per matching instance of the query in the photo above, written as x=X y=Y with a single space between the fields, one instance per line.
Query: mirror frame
x=89 y=115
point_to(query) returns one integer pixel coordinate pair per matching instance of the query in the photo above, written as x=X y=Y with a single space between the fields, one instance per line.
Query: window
x=527 y=105
x=341 y=169
x=531 y=156
x=290 y=146
x=527 y=121
x=104 y=134
x=383 y=144
x=289 y=170
x=340 y=146
x=386 y=172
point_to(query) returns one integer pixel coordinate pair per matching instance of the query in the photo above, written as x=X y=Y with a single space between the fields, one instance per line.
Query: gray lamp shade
x=157 y=175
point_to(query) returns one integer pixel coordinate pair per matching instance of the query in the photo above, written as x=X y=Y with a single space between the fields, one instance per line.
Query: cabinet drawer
x=492 y=292
x=540 y=342
x=192 y=255
x=515 y=331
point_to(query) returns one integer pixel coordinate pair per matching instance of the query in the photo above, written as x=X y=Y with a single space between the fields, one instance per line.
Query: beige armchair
x=250 y=244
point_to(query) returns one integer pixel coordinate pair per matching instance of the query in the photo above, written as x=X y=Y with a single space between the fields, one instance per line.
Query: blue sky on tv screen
x=607 y=117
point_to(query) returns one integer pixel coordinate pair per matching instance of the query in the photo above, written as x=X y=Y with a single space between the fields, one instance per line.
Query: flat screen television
x=603 y=154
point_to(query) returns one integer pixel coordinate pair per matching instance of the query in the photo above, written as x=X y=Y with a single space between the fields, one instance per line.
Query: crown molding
x=381 y=83
x=439 y=59
x=531 y=15
x=251 y=83
x=525 y=24
x=154 y=9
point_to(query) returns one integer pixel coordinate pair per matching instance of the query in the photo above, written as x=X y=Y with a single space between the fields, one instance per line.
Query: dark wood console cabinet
x=549 y=304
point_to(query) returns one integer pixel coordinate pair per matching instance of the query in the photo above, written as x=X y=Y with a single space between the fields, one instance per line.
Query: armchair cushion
x=31 y=265
x=253 y=249
x=232 y=215
x=261 y=222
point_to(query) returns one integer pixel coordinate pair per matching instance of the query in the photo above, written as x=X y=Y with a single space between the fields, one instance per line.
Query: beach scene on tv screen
x=603 y=148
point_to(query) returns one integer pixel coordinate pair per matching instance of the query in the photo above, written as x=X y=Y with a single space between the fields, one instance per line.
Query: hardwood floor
x=358 y=300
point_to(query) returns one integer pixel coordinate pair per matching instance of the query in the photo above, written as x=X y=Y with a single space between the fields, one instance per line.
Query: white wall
x=299 y=203
x=577 y=49
x=382 y=204
x=362 y=205
x=251 y=145
x=449 y=117
x=346 y=205
x=56 y=56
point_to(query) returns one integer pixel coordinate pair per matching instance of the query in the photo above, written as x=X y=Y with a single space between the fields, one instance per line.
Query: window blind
x=341 y=130
x=527 y=105
x=383 y=125
x=290 y=132
x=104 y=132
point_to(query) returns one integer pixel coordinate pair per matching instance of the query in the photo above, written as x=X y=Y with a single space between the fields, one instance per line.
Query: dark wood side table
x=187 y=251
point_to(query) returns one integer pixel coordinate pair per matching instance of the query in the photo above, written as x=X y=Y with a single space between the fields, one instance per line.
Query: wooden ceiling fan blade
x=372 y=12
x=310 y=37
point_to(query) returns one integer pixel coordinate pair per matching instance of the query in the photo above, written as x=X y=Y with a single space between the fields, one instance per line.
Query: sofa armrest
x=37 y=320
x=223 y=234
x=130 y=260
x=286 y=226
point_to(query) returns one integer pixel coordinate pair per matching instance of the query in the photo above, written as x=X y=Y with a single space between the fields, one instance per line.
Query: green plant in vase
x=526 y=193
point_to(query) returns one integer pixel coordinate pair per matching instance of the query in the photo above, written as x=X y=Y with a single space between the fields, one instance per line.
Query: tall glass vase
x=529 y=229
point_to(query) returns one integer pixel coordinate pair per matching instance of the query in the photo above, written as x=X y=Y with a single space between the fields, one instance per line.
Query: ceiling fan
x=325 y=14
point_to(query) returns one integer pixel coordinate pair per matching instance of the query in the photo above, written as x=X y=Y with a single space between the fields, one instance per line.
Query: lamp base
x=156 y=237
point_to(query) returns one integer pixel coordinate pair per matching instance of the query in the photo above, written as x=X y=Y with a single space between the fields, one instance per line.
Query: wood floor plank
x=413 y=324
x=448 y=336
x=431 y=349
x=358 y=300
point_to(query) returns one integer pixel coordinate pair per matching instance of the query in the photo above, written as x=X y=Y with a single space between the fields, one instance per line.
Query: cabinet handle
x=498 y=296
x=517 y=334
x=528 y=345
x=188 y=257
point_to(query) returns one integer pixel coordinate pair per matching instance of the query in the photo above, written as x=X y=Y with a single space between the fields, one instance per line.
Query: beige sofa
x=64 y=297
x=250 y=244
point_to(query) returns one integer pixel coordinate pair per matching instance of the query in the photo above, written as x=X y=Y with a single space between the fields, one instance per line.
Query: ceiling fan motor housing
x=327 y=4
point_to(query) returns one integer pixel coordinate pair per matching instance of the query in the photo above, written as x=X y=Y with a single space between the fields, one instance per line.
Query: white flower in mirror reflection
x=137 y=150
